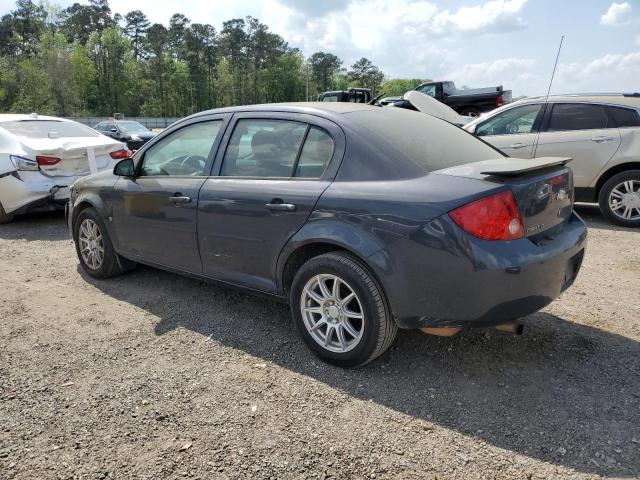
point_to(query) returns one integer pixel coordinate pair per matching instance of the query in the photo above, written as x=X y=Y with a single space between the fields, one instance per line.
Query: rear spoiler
x=505 y=167
x=512 y=167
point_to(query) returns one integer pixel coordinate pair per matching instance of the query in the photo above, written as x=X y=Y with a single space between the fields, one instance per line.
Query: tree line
x=86 y=60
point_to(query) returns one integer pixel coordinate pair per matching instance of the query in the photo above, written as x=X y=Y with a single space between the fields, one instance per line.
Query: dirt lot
x=153 y=375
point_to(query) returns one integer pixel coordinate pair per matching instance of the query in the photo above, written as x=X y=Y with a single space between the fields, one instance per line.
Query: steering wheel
x=193 y=163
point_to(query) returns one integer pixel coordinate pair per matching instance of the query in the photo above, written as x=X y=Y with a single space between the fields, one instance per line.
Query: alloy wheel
x=91 y=245
x=624 y=200
x=332 y=313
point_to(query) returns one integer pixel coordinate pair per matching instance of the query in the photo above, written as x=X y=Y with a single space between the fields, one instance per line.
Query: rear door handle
x=601 y=139
x=179 y=199
x=517 y=145
x=280 y=206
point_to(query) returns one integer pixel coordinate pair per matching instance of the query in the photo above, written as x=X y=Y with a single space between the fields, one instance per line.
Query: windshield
x=131 y=127
x=48 y=129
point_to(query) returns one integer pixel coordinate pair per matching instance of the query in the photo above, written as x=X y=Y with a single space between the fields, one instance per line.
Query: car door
x=155 y=212
x=271 y=172
x=582 y=131
x=512 y=130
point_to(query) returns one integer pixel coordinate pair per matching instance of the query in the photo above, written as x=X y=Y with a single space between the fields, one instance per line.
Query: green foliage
x=85 y=60
x=399 y=86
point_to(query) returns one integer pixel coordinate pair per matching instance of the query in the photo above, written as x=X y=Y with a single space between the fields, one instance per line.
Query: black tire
x=112 y=264
x=470 y=112
x=5 y=217
x=605 y=193
x=378 y=326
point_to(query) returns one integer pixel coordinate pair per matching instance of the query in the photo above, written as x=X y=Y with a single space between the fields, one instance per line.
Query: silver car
x=600 y=132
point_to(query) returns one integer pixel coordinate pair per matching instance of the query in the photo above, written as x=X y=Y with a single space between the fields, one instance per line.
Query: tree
x=136 y=25
x=80 y=21
x=324 y=66
x=28 y=23
x=363 y=73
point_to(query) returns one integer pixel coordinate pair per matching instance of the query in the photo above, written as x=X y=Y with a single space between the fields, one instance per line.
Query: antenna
x=546 y=98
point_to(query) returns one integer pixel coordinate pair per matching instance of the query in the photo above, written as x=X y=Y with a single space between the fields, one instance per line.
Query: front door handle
x=179 y=199
x=280 y=206
x=517 y=145
x=601 y=139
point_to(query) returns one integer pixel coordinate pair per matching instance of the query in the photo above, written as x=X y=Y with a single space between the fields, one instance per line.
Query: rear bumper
x=20 y=195
x=442 y=277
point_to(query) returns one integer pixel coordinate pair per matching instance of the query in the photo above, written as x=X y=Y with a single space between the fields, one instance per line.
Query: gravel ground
x=152 y=375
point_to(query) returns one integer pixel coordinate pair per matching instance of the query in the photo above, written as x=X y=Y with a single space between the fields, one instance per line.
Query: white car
x=600 y=132
x=40 y=157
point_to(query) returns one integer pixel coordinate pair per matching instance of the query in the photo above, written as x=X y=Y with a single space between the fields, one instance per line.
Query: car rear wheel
x=93 y=246
x=5 y=217
x=619 y=199
x=340 y=310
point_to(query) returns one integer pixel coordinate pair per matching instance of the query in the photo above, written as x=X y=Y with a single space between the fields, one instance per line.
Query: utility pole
x=307 y=96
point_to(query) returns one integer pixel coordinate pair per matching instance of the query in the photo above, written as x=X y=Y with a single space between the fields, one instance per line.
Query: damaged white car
x=40 y=157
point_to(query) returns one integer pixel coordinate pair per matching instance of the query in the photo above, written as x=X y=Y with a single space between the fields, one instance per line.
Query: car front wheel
x=340 y=310
x=619 y=199
x=93 y=246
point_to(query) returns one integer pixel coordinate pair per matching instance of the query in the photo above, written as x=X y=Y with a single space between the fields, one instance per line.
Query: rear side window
x=316 y=154
x=577 y=116
x=48 y=129
x=263 y=148
x=625 y=117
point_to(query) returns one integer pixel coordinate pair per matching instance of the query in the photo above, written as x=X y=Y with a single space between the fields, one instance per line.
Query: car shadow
x=36 y=226
x=520 y=393
x=590 y=213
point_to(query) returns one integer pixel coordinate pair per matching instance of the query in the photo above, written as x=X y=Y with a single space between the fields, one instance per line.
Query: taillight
x=492 y=218
x=45 y=160
x=499 y=101
x=122 y=153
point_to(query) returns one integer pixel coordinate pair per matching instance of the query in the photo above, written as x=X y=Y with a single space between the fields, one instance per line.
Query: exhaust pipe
x=515 y=328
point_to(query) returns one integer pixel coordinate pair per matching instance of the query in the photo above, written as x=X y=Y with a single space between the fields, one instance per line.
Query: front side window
x=316 y=154
x=263 y=148
x=330 y=98
x=577 y=116
x=510 y=122
x=428 y=90
x=182 y=153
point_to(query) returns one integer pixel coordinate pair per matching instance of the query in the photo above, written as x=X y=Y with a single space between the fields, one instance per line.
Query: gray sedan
x=364 y=219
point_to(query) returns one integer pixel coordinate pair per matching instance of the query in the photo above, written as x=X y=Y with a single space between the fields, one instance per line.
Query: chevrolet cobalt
x=364 y=219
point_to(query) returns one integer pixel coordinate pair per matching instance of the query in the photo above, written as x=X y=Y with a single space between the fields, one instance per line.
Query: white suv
x=600 y=132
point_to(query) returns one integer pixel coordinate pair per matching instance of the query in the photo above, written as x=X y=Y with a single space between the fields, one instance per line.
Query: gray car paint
x=390 y=214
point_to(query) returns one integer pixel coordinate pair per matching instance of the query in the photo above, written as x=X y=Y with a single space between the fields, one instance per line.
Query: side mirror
x=124 y=168
x=113 y=129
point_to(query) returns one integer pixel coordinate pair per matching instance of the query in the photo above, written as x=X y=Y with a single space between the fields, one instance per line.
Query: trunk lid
x=542 y=187
x=73 y=154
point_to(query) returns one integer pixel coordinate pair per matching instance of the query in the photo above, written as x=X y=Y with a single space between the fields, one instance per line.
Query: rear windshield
x=427 y=142
x=48 y=129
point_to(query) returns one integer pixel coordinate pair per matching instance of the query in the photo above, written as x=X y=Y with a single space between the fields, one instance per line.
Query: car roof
x=629 y=100
x=311 y=108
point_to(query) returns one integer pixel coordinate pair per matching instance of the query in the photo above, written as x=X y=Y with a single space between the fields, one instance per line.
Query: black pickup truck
x=470 y=102
x=353 y=95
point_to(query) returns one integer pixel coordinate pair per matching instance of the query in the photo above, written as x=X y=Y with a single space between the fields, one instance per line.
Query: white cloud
x=495 y=14
x=525 y=76
x=618 y=14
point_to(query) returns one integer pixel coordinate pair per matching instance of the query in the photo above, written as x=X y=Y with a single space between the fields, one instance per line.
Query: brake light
x=492 y=218
x=45 y=160
x=120 y=154
x=499 y=101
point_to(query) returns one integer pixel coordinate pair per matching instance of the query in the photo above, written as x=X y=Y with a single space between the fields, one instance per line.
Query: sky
x=476 y=43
